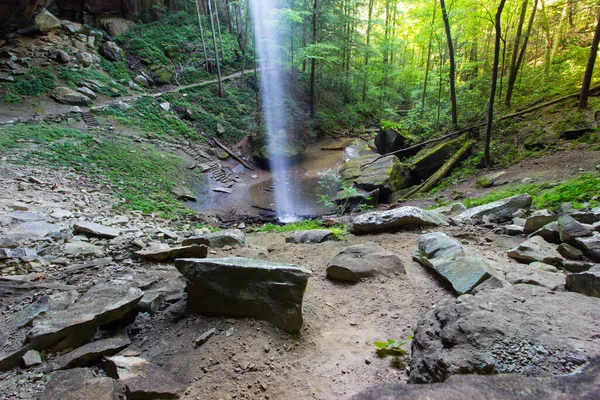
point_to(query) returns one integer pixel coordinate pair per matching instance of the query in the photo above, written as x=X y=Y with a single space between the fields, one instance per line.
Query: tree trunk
x=214 y=38
x=452 y=65
x=548 y=39
x=512 y=75
x=561 y=28
x=490 y=116
x=366 y=73
x=428 y=57
x=219 y=30
x=201 y=34
x=587 y=77
x=313 y=63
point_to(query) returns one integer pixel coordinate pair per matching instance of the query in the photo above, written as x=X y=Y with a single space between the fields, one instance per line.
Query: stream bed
x=256 y=187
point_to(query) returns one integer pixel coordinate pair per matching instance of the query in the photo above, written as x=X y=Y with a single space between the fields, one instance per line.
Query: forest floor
x=332 y=357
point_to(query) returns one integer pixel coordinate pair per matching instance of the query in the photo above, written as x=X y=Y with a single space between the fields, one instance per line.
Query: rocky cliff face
x=16 y=14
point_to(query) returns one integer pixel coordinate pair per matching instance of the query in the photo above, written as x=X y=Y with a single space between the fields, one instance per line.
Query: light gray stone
x=364 y=261
x=538 y=220
x=46 y=22
x=502 y=209
x=536 y=249
x=396 y=219
x=590 y=247
x=170 y=254
x=64 y=95
x=459 y=266
x=91 y=353
x=93 y=229
x=32 y=358
x=570 y=229
x=549 y=232
x=309 y=236
x=143 y=379
x=79 y=384
x=245 y=287
x=219 y=239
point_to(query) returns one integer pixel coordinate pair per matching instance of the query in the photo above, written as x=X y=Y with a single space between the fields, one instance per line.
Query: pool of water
x=302 y=183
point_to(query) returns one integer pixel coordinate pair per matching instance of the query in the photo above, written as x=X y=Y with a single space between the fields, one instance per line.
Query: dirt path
x=43 y=108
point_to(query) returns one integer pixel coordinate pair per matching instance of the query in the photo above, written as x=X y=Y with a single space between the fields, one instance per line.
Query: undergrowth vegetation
x=36 y=82
x=140 y=176
x=339 y=231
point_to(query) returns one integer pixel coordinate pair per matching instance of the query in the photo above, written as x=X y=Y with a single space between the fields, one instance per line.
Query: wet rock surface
x=503 y=210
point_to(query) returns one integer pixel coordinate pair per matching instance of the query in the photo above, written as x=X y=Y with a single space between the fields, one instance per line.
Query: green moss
x=580 y=191
x=74 y=79
x=35 y=83
x=339 y=231
x=141 y=175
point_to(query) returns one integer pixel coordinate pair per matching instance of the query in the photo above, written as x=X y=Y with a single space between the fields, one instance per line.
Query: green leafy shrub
x=36 y=83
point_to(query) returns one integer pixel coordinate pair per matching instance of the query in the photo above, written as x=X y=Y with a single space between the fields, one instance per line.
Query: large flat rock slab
x=522 y=329
x=372 y=172
x=91 y=353
x=75 y=325
x=309 y=236
x=93 y=229
x=363 y=261
x=80 y=384
x=536 y=249
x=580 y=385
x=245 y=287
x=219 y=239
x=459 y=266
x=142 y=379
x=396 y=219
x=170 y=254
x=502 y=209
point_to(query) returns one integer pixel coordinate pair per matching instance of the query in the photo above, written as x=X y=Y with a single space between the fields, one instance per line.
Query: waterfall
x=273 y=92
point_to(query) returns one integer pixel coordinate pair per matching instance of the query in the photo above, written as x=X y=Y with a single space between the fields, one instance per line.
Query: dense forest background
x=397 y=61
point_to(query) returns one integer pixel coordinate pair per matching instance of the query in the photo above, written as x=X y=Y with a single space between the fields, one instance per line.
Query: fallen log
x=221 y=145
x=442 y=172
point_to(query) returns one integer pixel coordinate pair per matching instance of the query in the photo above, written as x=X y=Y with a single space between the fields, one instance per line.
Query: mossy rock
x=387 y=174
x=162 y=74
x=291 y=151
x=428 y=161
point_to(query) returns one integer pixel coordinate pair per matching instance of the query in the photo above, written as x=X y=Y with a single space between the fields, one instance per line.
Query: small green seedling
x=391 y=348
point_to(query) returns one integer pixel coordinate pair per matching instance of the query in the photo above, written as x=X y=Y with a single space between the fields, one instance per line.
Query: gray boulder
x=46 y=22
x=170 y=254
x=370 y=172
x=80 y=384
x=528 y=275
x=505 y=331
x=570 y=229
x=85 y=59
x=363 y=261
x=590 y=247
x=35 y=230
x=245 y=287
x=310 y=236
x=64 y=95
x=111 y=51
x=91 y=353
x=587 y=283
x=502 y=209
x=93 y=229
x=451 y=210
x=219 y=239
x=143 y=379
x=570 y=252
x=577 y=266
x=536 y=249
x=538 y=220
x=459 y=266
x=396 y=219
x=582 y=384
x=549 y=232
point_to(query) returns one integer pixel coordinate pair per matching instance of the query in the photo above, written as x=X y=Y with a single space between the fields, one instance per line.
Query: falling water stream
x=273 y=91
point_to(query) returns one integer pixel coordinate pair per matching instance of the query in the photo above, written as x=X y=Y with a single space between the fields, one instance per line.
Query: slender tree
x=214 y=39
x=216 y=11
x=452 y=66
x=201 y=34
x=313 y=63
x=367 y=50
x=490 y=115
x=428 y=58
x=587 y=78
